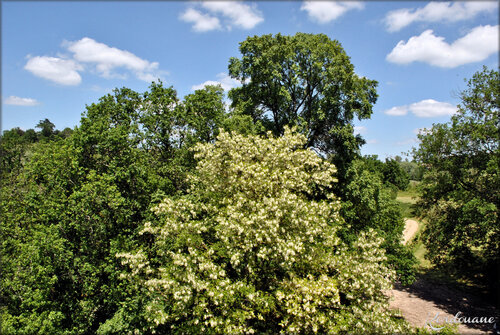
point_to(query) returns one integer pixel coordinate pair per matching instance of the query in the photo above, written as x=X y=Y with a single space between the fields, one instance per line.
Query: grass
x=407 y=199
x=408 y=209
x=419 y=251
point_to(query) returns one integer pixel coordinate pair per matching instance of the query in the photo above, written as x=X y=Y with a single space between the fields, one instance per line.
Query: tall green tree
x=204 y=112
x=461 y=185
x=307 y=81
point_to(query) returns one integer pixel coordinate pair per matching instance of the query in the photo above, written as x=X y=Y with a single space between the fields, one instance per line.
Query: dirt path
x=411 y=227
x=423 y=301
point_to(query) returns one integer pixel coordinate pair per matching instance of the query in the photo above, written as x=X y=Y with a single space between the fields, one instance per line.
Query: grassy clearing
x=408 y=209
x=409 y=195
x=407 y=199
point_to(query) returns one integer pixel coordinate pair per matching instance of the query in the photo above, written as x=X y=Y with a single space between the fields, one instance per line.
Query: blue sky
x=59 y=56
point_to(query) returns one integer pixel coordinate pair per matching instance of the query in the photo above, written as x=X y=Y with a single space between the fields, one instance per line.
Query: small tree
x=248 y=250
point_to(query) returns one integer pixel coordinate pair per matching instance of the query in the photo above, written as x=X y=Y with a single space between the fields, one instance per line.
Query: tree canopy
x=307 y=81
x=461 y=185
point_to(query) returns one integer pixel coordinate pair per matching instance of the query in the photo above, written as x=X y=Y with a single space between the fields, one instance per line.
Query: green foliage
x=395 y=175
x=370 y=205
x=254 y=240
x=46 y=128
x=460 y=189
x=204 y=113
x=75 y=203
x=61 y=224
x=305 y=81
x=13 y=145
x=391 y=172
x=248 y=250
x=414 y=170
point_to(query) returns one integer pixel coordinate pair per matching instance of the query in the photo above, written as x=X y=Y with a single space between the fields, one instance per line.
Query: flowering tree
x=249 y=251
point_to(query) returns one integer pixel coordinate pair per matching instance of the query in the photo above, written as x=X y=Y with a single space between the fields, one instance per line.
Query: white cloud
x=223 y=79
x=202 y=22
x=424 y=108
x=231 y=13
x=17 y=101
x=397 y=111
x=107 y=59
x=237 y=13
x=432 y=108
x=476 y=46
x=327 y=11
x=372 y=141
x=58 y=70
x=359 y=130
x=438 y=12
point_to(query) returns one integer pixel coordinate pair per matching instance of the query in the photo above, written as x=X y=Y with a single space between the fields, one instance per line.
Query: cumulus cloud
x=327 y=11
x=397 y=111
x=438 y=12
x=476 y=46
x=103 y=59
x=107 y=59
x=239 y=14
x=424 y=108
x=201 y=22
x=231 y=13
x=223 y=79
x=17 y=101
x=58 y=70
x=432 y=108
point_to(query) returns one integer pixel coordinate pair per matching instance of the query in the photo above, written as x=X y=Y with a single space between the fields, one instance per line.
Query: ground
x=411 y=227
x=426 y=299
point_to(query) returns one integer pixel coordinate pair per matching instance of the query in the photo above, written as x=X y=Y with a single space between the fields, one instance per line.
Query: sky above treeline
x=58 y=57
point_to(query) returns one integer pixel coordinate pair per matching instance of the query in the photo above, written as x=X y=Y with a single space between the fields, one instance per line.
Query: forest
x=240 y=212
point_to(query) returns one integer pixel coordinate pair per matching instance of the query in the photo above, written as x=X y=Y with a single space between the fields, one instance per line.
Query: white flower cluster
x=248 y=245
